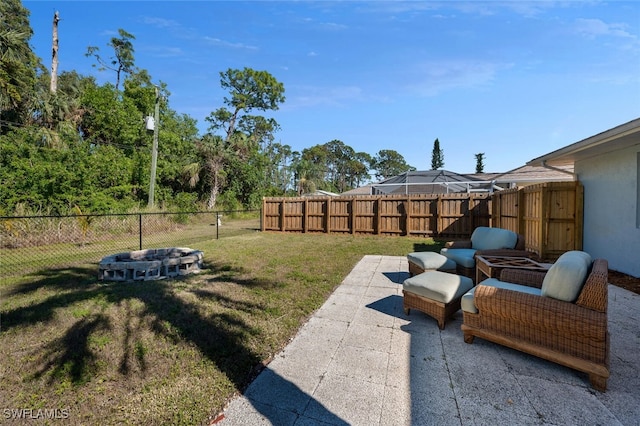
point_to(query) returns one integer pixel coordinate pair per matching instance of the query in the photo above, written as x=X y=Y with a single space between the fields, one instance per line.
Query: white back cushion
x=484 y=238
x=565 y=278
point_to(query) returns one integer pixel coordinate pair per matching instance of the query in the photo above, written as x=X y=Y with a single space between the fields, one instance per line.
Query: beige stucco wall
x=610 y=207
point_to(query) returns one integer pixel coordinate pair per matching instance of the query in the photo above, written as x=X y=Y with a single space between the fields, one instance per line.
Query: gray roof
x=532 y=174
x=456 y=182
x=429 y=182
x=320 y=192
x=362 y=190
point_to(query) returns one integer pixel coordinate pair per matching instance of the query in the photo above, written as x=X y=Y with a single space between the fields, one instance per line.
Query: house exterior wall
x=611 y=207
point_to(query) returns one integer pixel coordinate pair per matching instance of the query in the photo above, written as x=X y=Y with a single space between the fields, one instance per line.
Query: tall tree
x=388 y=163
x=248 y=90
x=340 y=157
x=359 y=169
x=278 y=172
x=315 y=171
x=480 y=162
x=259 y=132
x=54 y=53
x=437 y=156
x=122 y=61
x=246 y=136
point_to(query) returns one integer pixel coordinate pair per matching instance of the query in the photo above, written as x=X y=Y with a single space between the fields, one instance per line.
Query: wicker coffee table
x=490 y=266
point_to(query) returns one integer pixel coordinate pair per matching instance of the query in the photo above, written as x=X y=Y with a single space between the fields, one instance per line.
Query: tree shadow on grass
x=69 y=355
x=68 y=286
x=221 y=336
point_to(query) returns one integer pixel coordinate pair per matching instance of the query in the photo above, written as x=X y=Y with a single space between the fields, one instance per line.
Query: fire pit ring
x=150 y=264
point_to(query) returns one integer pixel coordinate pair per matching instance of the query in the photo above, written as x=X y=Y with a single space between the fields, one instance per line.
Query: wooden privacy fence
x=549 y=215
x=429 y=215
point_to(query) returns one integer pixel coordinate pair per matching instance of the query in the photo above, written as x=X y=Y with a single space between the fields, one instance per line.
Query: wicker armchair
x=467 y=246
x=571 y=334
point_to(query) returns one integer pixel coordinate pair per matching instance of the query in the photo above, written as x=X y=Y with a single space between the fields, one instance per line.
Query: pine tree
x=437 y=156
x=480 y=162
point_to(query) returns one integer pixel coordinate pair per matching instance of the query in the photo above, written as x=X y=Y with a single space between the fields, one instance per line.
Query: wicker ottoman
x=435 y=293
x=422 y=261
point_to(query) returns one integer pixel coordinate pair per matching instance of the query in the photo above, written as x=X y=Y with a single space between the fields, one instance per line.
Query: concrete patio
x=360 y=360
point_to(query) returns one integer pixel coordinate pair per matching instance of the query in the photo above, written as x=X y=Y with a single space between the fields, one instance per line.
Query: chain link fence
x=31 y=244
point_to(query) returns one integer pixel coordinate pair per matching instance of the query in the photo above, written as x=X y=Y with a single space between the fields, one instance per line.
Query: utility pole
x=154 y=151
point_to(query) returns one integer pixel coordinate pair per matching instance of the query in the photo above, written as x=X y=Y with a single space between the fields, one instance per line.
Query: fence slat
x=431 y=215
x=548 y=215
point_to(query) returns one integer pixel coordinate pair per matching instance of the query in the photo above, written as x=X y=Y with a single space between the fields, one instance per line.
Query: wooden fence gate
x=549 y=215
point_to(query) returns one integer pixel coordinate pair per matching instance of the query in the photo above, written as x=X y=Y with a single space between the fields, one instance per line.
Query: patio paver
x=361 y=361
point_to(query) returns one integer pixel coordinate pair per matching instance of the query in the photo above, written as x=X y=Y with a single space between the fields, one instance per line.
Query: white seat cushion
x=436 y=285
x=462 y=256
x=428 y=260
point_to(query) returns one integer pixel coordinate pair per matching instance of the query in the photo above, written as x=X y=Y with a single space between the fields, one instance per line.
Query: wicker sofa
x=484 y=241
x=516 y=312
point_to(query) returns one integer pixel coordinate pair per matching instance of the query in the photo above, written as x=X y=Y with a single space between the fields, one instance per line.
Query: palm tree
x=18 y=64
x=58 y=113
x=213 y=156
x=303 y=173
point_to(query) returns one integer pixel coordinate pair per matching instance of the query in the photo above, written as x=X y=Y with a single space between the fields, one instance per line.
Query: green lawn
x=169 y=351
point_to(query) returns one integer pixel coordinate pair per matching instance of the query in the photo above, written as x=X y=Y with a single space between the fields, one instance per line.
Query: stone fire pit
x=151 y=264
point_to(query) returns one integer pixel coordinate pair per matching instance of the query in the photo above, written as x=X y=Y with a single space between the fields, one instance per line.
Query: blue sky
x=513 y=80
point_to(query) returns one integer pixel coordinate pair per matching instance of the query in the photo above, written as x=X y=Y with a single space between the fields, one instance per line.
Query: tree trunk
x=213 y=196
x=232 y=125
x=54 y=54
x=215 y=165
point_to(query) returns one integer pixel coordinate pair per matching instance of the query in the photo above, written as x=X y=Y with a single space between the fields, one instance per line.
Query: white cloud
x=174 y=27
x=308 y=96
x=160 y=22
x=333 y=26
x=167 y=52
x=615 y=35
x=218 y=42
x=435 y=77
x=476 y=8
x=592 y=28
